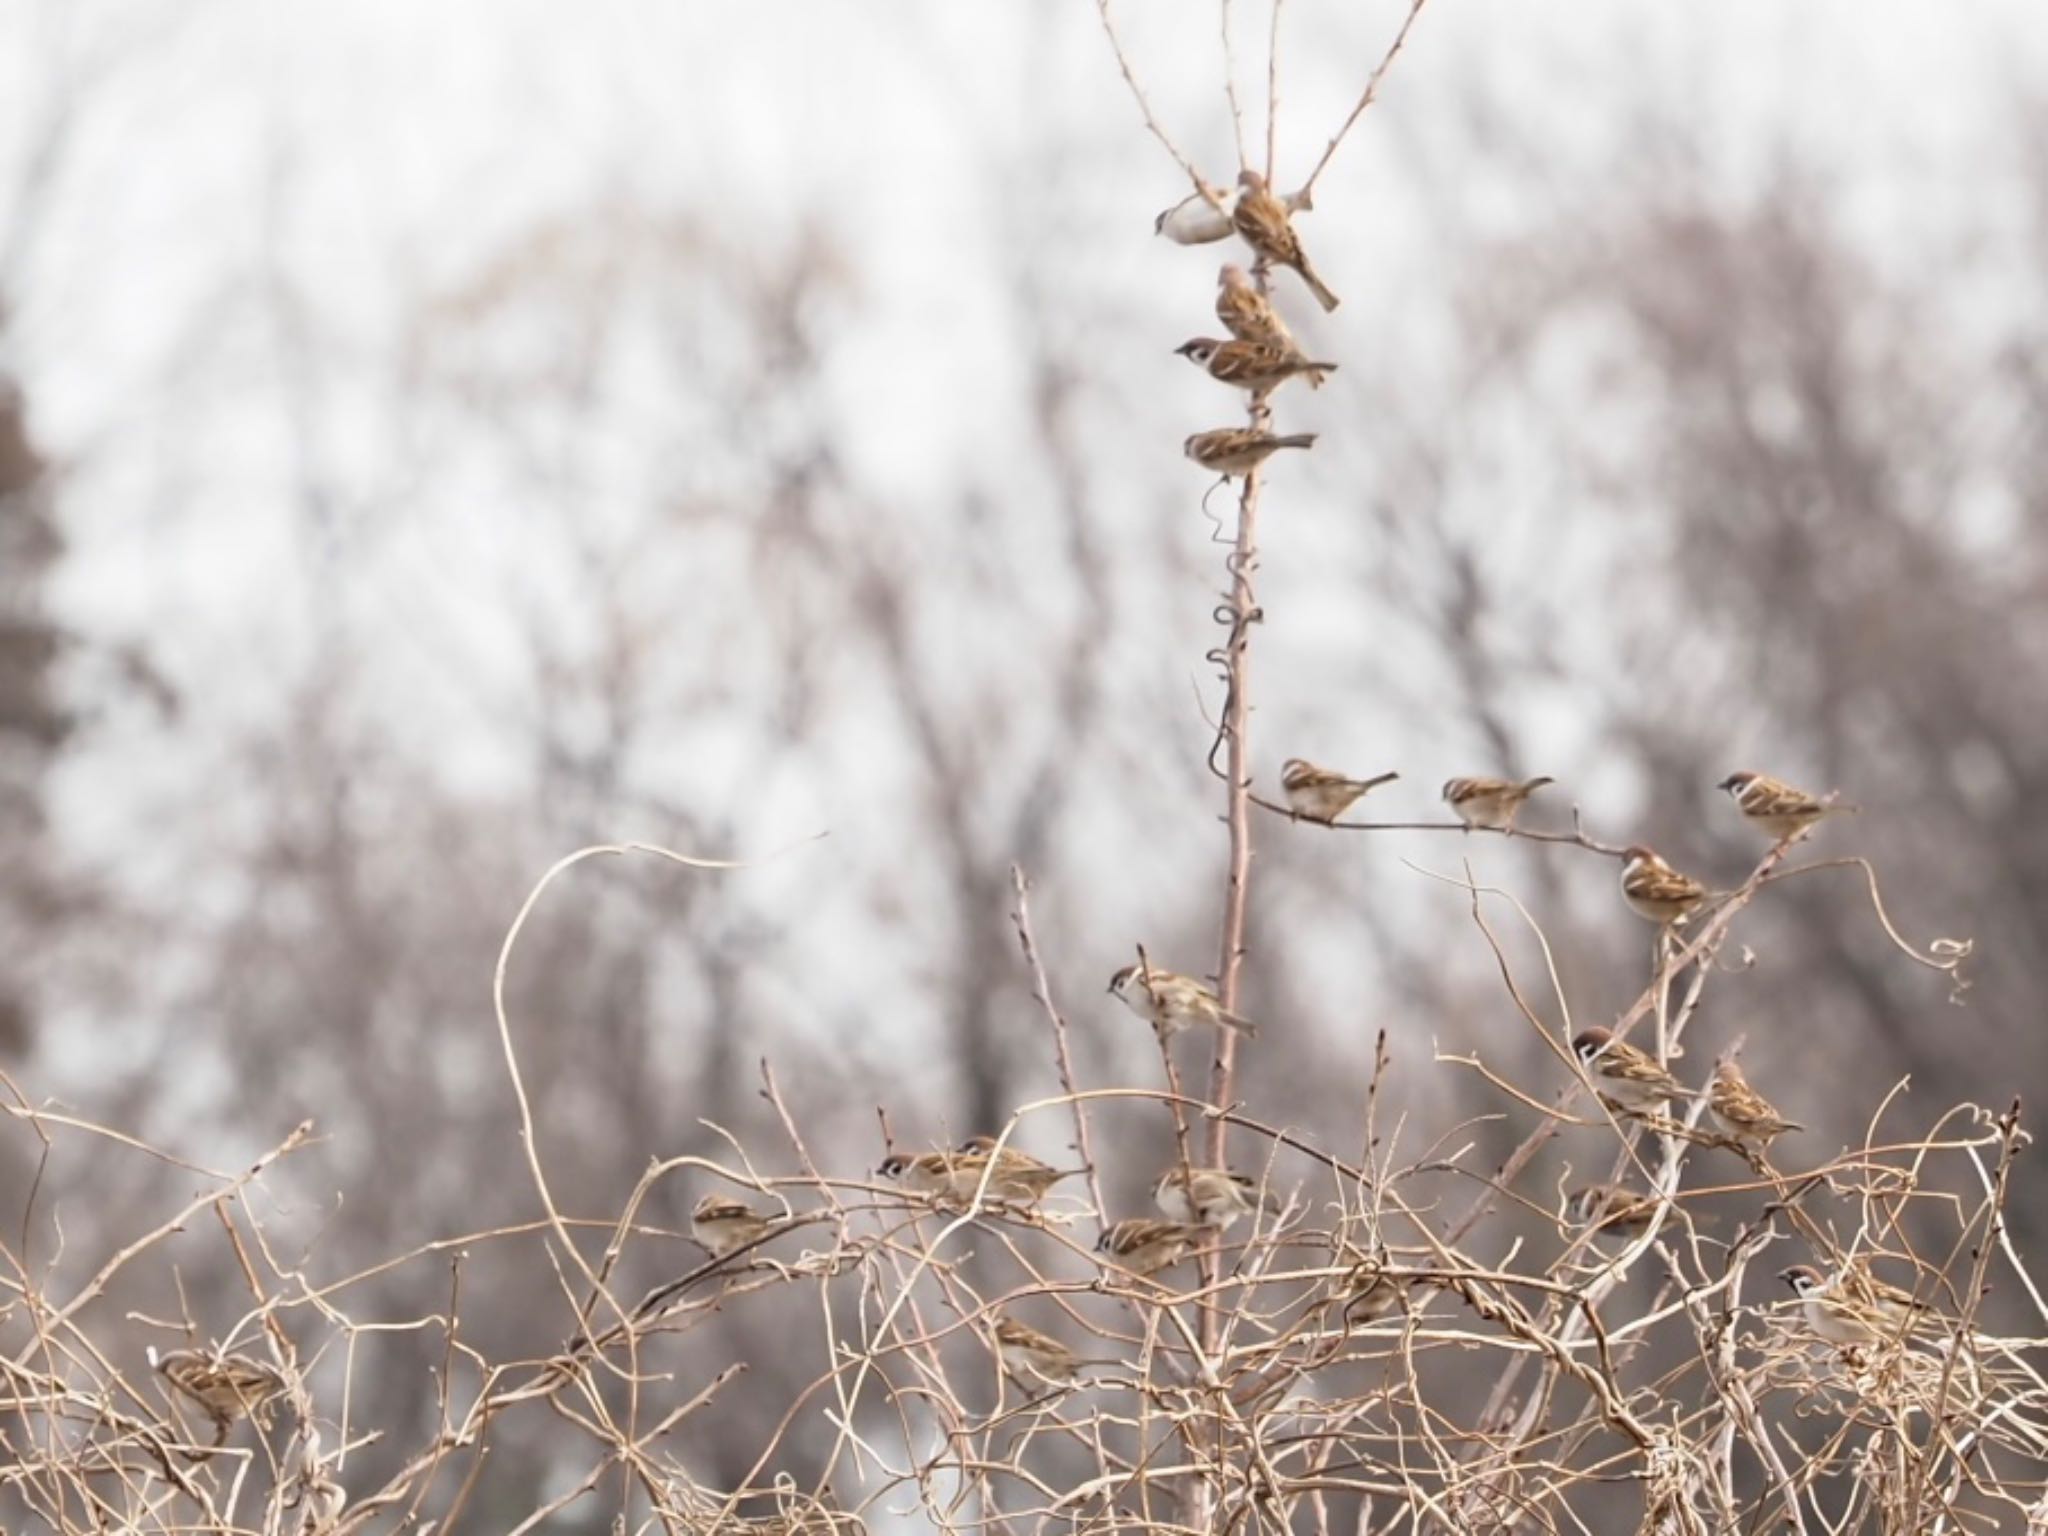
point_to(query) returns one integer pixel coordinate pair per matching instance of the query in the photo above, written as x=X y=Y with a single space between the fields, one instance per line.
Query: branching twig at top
x=1208 y=193
x=1372 y=87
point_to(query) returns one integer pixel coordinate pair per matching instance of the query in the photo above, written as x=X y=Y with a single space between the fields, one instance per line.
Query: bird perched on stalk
x=1032 y=1358
x=1654 y=890
x=1171 y=1003
x=1611 y=1208
x=1234 y=451
x=1745 y=1115
x=1855 y=1307
x=1145 y=1246
x=1491 y=803
x=1322 y=794
x=1194 y=220
x=1249 y=315
x=721 y=1223
x=228 y=1387
x=958 y=1175
x=1777 y=807
x=1263 y=220
x=1257 y=366
x=1208 y=1197
x=1631 y=1081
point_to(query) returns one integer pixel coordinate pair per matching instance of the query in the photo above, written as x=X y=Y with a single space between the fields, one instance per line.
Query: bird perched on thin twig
x=1233 y=451
x=1611 y=1208
x=1263 y=220
x=1323 y=794
x=1014 y=1175
x=958 y=1175
x=1373 y=1288
x=1654 y=890
x=722 y=1223
x=1492 y=803
x=1033 y=1358
x=1855 y=1307
x=1194 y=220
x=1208 y=1197
x=1249 y=315
x=1781 y=809
x=1145 y=1246
x=1172 y=1003
x=228 y=1387
x=1258 y=366
x=1746 y=1115
x=1630 y=1080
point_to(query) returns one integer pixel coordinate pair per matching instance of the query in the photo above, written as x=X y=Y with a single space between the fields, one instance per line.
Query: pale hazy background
x=441 y=435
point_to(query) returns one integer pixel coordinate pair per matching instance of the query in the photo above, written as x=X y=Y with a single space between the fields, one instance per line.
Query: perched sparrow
x=1854 y=1308
x=1373 y=1289
x=1031 y=1357
x=1628 y=1079
x=1656 y=891
x=1491 y=802
x=1018 y=1176
x=1172 y=1003
x=1611 y=1208
x=1247 y=313
x=1193 y=221
x=1746 y=1115
x=1229 y=451
x=1262 y=219
x=1321 y=794
x=923 y=1173
x=1208 y=1197
x=228 y=1387
x=1776 y=806
x=957 y=1175
x=722 y=1224
x=1144 y=1246
x=1258 y=366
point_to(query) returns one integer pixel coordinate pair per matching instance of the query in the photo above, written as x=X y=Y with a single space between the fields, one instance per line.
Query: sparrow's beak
x=1729 y=782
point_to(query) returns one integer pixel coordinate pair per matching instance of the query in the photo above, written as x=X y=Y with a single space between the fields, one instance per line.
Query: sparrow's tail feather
x=1530 y=786
x=1239 y=1024
x=1375 y=781
x=1316 y=286
x=1297 y=439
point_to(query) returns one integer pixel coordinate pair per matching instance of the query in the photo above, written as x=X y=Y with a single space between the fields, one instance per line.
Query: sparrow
x=1490 y=803
x=1031 y=1357
x=1777 y=807
x=720 y=1223
x=923 y=1173
x=1018 y=1176
x=1258 y=366
x=1195 y=221
x=1373 y=1289
x=1145 y=1246
x=1746 y=1115
x=1321 y=794
x=1630 y=1080
x=1249 y=315
x=1611 y=1208
x=1263 y=221
x=1208 y=1197
x=1656 y=891
x=1229 y=451
x=1172 y=1003
x=1854 y=1308
x=228 y=1387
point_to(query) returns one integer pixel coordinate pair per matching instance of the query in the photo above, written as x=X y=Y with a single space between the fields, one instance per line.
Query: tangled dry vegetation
x=1726 y=1331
